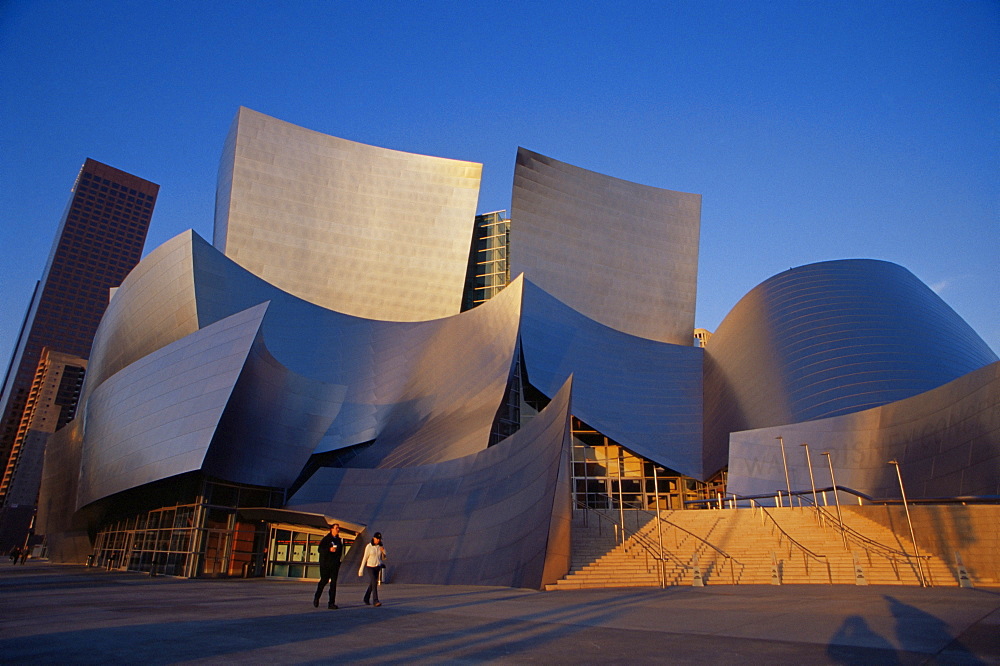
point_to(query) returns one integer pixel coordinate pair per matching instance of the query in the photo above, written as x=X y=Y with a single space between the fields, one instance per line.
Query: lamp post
x=784 y=462
x=812 y=480
x=906 y=508
x=836 y=497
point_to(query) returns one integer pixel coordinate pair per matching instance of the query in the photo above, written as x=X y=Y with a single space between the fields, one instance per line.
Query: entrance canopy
x=297 y=518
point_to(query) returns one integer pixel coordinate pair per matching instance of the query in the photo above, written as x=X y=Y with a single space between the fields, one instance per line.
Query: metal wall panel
x=646 y=395
x=828 y=339
x=623 y=254
x=154 y=306
x=157 y=417
x=425 y=391
x=363 y=230
x=497 y=517
x=313 y=380
x=946 y=440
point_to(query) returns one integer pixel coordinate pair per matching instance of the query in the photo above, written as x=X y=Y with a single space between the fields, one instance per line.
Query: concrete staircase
x=744 y=546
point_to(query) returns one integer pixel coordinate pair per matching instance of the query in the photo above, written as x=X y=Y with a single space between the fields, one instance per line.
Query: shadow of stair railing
x=896 y=557
x=793 y=545
x=655 y=551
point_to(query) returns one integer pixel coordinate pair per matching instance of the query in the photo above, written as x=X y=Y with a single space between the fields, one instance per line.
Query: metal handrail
x=871 y=546
x=732 y=561
x=646 y=548
x=806 y=553
x=957 y=499
x=647 y=544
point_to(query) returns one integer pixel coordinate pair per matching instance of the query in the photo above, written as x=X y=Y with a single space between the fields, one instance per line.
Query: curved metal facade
x=157 y=417
x=620 y=253
x=304 y=380
x=645 y=395
x=497 y=517
x=945 y=441
x=328 y=333
x=828 y=339
x=153 y=307
x=362 y=230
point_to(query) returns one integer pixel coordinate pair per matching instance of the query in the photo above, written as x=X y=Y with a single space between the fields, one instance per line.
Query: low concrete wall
x=944 y=529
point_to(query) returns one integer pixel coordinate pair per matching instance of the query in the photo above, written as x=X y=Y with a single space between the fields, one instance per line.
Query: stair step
x=600 y=560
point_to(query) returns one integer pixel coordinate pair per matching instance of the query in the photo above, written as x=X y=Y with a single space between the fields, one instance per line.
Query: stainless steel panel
x=644 y=394
x=828 y=339
x=497 y=517
x=363 y=230
x=622 y=254
x=157 y=417
x=947 y=442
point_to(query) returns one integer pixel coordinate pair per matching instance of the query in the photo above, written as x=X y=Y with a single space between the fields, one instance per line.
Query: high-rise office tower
x=51 y=404
x=100 y=239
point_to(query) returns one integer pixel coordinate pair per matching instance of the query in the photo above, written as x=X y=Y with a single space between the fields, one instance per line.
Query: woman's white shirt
x=373 y=556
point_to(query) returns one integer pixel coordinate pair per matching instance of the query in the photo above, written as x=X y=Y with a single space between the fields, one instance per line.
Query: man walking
x=331 y=549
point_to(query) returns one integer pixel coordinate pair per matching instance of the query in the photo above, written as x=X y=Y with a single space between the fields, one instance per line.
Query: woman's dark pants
x=372 y=592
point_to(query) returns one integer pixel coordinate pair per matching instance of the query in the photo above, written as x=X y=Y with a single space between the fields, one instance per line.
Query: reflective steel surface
x=304 y=379
x=620 y=253
x=363 y=230
x=497 y=517
x=317 y=348
x=646 y=395
x=827 y=339
x=945 y=440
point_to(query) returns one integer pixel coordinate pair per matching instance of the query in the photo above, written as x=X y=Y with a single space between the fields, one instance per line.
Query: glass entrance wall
x=606 y=475
x=294 y=551
x=162 y=538
x=199 y=535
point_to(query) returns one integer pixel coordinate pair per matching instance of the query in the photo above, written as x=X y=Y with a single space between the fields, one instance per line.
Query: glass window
x=282 y=543
x=217 y=518
x=224 y=495
x=300 y=541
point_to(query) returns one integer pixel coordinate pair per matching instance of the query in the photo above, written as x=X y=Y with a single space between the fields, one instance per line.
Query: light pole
x=784 y=462
x=812 y=480
x=836 y=497
x=906 y=508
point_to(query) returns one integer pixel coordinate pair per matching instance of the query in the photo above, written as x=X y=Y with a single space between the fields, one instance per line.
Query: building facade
x=51 y=404
x=243 y=394
x=99 y=240
x=489 y=266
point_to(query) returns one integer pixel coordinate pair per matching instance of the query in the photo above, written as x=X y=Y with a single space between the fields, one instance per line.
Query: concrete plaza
x=72 y=614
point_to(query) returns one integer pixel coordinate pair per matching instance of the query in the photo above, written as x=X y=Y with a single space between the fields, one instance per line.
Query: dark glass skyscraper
x=100 y=239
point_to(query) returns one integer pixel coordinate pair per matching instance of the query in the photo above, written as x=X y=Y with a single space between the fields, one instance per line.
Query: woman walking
x=372 y=564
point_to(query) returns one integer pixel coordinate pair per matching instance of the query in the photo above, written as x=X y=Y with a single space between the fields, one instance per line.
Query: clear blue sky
x=813 y=130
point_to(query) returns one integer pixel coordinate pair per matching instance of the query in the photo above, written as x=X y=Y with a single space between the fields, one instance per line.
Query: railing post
x=836 y=498
x=659 y=526
x=784 y=462
x=906 y=508
x=621 y=503
x=812 y=479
